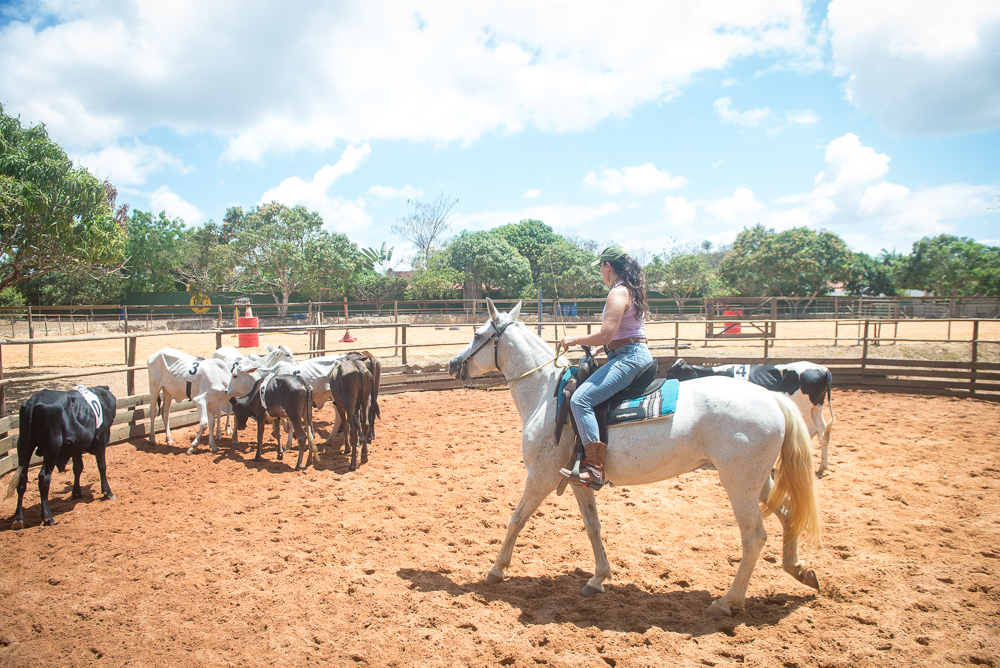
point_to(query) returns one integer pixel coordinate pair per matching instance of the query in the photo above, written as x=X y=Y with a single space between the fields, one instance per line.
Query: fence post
x=975 y=353
x=130 y=361
x=404 y=345
x=31 y=347
x=395 y=319
x=3 y=392
x=677 y=329
x=218 y=340
x=864 y=355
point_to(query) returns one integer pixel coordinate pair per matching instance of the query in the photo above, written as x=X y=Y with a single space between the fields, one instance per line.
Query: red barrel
x=733 y=327
x=248 y=340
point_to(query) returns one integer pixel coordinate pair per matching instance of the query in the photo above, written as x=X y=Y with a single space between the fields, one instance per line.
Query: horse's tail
x=794 y=479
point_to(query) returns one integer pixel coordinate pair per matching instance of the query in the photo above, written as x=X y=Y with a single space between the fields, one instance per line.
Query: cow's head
x=241 y=411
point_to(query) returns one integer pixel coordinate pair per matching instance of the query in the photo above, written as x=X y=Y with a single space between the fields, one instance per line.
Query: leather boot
x=591 y=468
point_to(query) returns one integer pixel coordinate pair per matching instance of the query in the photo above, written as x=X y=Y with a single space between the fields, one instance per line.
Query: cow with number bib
x=59 y=426
x=806 y=383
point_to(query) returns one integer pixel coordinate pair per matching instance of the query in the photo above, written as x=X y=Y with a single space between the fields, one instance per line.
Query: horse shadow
x=622 y=607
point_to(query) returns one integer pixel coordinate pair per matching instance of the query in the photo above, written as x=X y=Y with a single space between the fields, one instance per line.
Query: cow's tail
x=794 y=479
x=23 y=435
x=829 y=401
x=310 y=438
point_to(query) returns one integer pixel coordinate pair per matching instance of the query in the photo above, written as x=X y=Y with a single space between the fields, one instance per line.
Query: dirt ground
x=214 y=560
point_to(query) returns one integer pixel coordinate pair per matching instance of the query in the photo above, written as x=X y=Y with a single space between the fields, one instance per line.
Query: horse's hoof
x=493 y=579
x=215 y=449
x=49 y=522
x=110 y=497
x=590 y=591
x=716 y=610
x=191 y=450
x=809 y=578
x=17 y=524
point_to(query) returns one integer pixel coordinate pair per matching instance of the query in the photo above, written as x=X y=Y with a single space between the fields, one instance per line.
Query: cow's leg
x=44 y=480
x=22 y=487
x=77 y=470
x=822 y=432
x=153 y=398
x=300 y=436
x=165 y=412
x=102 y=469
x=212 y=417
x=203 y=424
x=260 y=438
x=276 y=432
x=289 y=428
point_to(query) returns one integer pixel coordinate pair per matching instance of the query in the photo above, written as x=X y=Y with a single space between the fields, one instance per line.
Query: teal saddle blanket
x=660 y=400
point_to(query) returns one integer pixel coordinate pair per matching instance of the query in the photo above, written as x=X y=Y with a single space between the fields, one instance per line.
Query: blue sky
x=650 y=124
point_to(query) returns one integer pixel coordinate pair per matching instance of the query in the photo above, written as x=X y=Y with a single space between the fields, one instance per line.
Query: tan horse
x=739 y=428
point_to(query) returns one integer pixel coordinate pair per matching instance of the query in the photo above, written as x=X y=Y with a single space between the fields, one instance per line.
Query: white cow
x=315 y=372
x=231 y=357
x=180 y=375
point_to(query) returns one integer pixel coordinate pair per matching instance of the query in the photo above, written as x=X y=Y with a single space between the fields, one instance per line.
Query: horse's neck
x=524 y=353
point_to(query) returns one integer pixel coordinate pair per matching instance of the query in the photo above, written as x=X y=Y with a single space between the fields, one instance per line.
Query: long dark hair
x=632 y=276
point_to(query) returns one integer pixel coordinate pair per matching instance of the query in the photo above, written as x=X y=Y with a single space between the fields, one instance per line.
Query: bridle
x=495 y=338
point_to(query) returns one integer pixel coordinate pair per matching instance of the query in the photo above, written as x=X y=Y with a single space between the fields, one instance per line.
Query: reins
x=495 y=337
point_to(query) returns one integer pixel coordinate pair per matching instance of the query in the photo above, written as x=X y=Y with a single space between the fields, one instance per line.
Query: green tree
x=799 y=262
x=685 y=272
x=533 y=240
x=155 y=249
x=378 y=260
x=951 y=266
x=433 y=278
x=285 y=249
x=57 y=288
x=488 y=263
x=566 y=271
x=53 y=217
x=377 y=288
x=873 y=276
x=210 y=264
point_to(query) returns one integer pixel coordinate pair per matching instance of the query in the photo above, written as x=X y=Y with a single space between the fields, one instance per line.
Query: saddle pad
x=93 y=402
x=659 y=404
x=567 y=374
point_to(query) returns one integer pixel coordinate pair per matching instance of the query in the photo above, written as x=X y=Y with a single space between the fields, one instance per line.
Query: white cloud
x=337 y=212
x=679 y=211
x=742 y=208
x=534 y=193
x=764 y=118
x=315 y=75
x=920 y=66
x=163 y=200
x=639 y=180
x=560 y=217
x=126 y=166
x=387 y=192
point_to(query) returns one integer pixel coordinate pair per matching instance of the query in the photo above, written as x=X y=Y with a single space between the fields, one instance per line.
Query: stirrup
x=591 y=482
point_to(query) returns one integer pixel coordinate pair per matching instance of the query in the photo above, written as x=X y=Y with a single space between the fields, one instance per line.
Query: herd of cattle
x=59 y=426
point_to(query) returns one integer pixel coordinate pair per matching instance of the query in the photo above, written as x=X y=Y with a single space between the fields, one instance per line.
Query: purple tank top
x=630 y=324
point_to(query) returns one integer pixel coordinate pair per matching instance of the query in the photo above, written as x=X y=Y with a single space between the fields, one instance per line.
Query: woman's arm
x=617 y=304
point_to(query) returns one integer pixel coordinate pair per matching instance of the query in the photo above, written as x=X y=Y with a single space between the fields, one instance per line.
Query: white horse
x=739 y=428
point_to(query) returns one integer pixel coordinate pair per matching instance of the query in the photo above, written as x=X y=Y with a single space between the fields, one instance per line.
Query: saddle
x=644 y=384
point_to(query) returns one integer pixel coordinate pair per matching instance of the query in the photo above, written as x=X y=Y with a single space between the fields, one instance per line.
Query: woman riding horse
x=623 y=336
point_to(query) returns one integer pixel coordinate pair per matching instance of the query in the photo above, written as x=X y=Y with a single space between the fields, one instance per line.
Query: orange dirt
x=219 y=561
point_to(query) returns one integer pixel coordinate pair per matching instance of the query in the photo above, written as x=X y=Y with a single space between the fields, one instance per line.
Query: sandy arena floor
x=218 y=561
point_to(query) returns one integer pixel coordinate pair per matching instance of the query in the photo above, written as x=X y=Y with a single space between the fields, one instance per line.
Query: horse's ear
x=515 y=312
x=491 y=307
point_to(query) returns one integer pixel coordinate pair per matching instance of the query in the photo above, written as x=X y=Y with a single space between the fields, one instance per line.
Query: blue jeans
x=622 y=367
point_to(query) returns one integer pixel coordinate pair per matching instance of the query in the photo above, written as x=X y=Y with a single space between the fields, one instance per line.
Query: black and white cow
x=60 y=426
x=806 y=383
x=232 y=358
x=278 y=397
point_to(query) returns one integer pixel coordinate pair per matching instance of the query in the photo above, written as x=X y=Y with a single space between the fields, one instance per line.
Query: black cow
x=375 y=369
x=282 y=397
x=60 y=426
x=806 y=383
x=351 y=390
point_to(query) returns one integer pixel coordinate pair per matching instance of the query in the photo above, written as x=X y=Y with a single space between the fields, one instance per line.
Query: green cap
x=613 y=253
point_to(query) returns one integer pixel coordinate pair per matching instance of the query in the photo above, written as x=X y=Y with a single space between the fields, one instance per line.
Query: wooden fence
x=971 y=378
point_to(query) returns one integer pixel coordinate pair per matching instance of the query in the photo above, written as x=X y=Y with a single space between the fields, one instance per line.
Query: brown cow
x=351 y=390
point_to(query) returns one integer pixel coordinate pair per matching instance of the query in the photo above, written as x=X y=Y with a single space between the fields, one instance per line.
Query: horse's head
x=479 y=357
